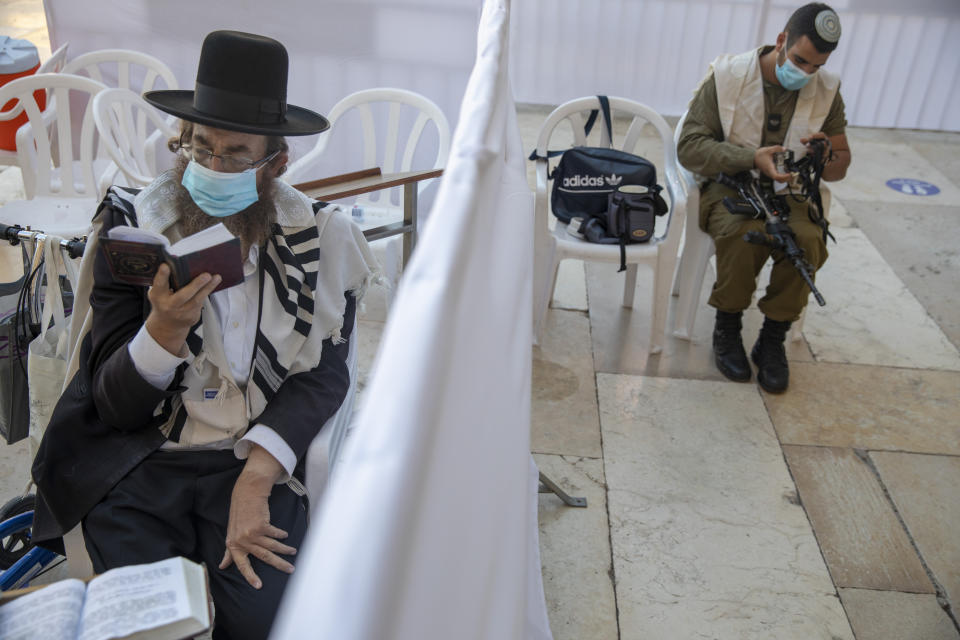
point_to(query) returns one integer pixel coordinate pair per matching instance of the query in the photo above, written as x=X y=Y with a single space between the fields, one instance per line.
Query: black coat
x=104 y=423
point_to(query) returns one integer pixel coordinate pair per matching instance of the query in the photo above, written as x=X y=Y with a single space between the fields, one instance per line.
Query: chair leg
x=661 y=298
x=796 y=329
x=629 y=285
x=680 y=267
x=543 y=295
x=693 y=266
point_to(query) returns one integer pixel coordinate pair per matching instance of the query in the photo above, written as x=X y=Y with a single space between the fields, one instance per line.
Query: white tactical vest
x=740 y=102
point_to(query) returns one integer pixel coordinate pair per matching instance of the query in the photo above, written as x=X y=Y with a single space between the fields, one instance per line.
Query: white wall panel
x=940 y=104
x=898 y=62
x=336 y=47
x=922 y=71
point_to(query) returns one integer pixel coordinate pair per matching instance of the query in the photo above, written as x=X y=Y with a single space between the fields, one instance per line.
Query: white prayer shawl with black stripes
x=308 y=263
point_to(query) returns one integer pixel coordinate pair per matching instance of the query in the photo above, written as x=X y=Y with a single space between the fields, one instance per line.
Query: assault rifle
x=758 y=201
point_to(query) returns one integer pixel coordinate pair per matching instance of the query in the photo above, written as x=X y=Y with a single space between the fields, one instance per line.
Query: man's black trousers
x=176 y=503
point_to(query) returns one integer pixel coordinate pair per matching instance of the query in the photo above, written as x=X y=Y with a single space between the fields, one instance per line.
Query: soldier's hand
x=763 y=162
x=172 y=313
x=821 y=136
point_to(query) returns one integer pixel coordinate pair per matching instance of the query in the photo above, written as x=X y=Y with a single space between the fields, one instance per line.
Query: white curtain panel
x=428 y=528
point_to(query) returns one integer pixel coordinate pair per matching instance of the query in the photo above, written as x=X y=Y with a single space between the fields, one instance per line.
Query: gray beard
x=252 y=225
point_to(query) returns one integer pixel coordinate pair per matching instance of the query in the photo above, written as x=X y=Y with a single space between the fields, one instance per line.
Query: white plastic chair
x=136 y=71
x=326 y=448
x=125 y=69
x=56 y=62
x=62 y=199
x=53 y=64
x=696 y=252
x=130 y=130
x=387 y=149
x=697 y=249
x=384 y=157
x=659 y=253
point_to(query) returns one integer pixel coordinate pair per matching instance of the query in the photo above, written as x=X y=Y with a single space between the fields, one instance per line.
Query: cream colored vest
x=740 y=102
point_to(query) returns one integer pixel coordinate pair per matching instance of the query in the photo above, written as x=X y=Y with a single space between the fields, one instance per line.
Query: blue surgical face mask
x=220 y=194
x=790 y=76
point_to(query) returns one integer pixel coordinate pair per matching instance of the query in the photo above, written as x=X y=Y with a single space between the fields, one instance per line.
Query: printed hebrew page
x=160 y=601
x=51 y=612
x=209 y=237
x=136 y=234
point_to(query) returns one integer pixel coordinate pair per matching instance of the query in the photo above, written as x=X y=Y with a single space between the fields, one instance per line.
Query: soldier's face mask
x=790 y=76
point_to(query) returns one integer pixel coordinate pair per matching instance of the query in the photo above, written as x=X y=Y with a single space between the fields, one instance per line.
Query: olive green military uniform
x=702 y=149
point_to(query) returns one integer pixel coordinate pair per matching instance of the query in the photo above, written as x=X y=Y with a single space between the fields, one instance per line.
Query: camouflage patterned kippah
x=828 y=25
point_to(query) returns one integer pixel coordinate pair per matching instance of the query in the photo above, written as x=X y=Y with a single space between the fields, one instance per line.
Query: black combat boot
x=728 y=349
x=770 y=357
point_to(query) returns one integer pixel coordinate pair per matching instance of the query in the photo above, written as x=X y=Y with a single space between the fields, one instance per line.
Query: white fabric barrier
x=428 y=528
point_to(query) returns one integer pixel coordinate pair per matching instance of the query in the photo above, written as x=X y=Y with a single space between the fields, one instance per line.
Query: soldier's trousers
x=739 y=262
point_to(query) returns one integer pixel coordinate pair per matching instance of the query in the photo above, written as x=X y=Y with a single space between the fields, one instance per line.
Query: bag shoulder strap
x=587 y=128
x=607 y=120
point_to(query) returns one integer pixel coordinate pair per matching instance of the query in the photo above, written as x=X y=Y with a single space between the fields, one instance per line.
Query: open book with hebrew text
x=165 y=600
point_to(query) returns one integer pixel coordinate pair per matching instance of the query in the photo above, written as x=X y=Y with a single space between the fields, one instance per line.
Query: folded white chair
x=47 y=354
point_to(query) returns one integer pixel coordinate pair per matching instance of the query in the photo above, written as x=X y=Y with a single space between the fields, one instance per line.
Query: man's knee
x=810 y=239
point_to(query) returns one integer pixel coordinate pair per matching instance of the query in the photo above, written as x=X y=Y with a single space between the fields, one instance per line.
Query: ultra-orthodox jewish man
x=184 y=429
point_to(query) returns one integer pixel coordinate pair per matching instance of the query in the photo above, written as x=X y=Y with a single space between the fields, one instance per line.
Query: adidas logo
x=592 y=181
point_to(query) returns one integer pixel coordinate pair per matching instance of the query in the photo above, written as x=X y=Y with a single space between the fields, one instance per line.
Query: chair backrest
x=575 y=112
x=53 y=64
x=75 y=176
x=56 y=61
x=325 y=450
x=689 y=182
x=130 y=130
x=123 y=68
x=385 y=157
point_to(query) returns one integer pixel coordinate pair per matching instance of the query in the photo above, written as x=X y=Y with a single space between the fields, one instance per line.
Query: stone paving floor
x=719 y=511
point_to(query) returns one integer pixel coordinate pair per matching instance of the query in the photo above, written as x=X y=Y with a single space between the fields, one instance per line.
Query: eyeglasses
x=230 y=164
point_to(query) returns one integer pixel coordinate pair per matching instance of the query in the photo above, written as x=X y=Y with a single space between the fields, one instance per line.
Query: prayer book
x=165 y=600
x=134 y=255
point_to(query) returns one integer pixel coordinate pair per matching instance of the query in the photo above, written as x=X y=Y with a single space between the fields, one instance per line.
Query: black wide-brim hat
x=241 y=86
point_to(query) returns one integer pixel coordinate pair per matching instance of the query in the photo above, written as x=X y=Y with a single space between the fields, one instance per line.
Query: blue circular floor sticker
x=913 y=187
